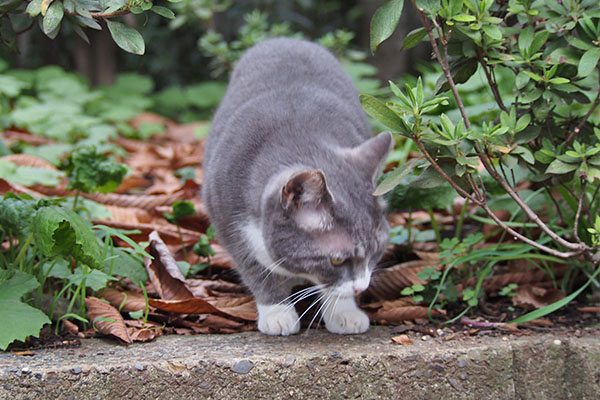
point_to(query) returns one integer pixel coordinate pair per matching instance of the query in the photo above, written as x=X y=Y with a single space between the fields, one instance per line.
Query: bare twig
x=436 y=166
x=517 y=235
x=579 y=126
x=492 y=82
x=578 y=214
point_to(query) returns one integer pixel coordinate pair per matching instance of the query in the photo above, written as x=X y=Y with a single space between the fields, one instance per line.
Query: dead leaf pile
x=216 y=301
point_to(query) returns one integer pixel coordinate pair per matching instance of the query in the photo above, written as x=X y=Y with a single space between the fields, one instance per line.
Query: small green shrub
x=516 y=98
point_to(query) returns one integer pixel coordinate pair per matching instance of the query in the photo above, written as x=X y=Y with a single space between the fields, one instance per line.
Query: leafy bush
x=517 y=99
x=51 y=14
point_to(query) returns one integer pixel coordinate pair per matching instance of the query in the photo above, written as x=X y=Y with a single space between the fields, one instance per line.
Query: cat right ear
x=306 y=196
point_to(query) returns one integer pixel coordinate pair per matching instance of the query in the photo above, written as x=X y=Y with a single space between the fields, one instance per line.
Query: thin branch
x=579 y=126
x=560 y=215
x=25 y=29
x=461 y=191
x=525 y=239
x=113 y=14
x=580 y=247
x=578 y=214
x=492 y=82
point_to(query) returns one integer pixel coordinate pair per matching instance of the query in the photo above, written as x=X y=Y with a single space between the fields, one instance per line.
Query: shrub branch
x=577 y=248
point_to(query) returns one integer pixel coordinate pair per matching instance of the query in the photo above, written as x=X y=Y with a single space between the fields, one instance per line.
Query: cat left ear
x=370 y=156
x=305 y=188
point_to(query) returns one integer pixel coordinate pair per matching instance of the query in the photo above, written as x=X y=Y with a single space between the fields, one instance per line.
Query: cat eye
x=337 y=261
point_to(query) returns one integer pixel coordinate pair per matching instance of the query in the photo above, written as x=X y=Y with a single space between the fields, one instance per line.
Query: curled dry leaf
x=201 y=287
x=164 y=272
x=106 y=319
x=242 y=307
x=29 y=160
x=193 y=305
x=398 y=310
x=402 y=339
x=143 y=334
x=530 y=297
x=126 y=301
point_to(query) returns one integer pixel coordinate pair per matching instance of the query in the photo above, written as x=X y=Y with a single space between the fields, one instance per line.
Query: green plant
x=516 y=100
x=78 y=15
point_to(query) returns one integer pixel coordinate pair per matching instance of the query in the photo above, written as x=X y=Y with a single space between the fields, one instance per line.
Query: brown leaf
x=589 y=309
x=143 y=334
x=126 y=301
x=106 y=319
x=200 y=287
x=530 y=297
x=388 y=283
x=399 y=310
x=402 y=339
x=164 y=272
x=70 y=327
x=193 y=305
x=240 y=307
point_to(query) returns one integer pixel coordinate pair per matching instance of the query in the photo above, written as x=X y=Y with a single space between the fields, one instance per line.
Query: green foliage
x=90 y=171
x=50 y=15
x=515 y=96
x=20 y=319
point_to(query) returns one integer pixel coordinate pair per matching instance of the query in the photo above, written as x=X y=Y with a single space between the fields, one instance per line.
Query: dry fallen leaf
x=530 y=297
x=164 y=272
x=193 y=305
x=106 y=319
x=126 y=301
x=402 y=339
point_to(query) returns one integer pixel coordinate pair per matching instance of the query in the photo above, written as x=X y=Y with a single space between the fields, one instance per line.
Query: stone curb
x=316 y=365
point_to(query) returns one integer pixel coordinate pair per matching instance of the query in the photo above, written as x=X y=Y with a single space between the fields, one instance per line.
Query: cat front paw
x=277 y=319
x=346 y=318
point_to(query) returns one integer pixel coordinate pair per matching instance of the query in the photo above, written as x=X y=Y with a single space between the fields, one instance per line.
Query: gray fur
x=290 y=108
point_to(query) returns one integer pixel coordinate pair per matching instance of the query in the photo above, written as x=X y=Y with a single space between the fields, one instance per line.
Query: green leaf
x=34 y=8
x=394 y=178
x=492 y=31
x=378 y=110
x=16 y=215
x=525 y=39
x=93 y=278
x=538 y=41
x=126 y=37
x=181 y=209
x=464 y=18
x=19 y=321
x=91 y=171
x=53 y=17
x=384 y=22
x=413 y=38
x=61 y=232
x=126 y=265
x=588 y=62
x=163 y=12
x=559 y=167
x=559 y=81
x=17 y=286
x=523 y=122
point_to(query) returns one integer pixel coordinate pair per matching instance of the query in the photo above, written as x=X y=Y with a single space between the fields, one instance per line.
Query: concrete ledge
x=316 y=365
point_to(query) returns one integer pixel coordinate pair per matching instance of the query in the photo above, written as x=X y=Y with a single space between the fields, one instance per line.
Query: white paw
x=277 y=319
x=347 y=322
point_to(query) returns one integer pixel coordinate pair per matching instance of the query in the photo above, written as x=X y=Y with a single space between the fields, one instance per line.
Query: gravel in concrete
x=316 y=365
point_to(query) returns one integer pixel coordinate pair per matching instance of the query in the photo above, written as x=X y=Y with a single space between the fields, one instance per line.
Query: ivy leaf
x=62 y=233
x=588 y=62
x=384 y=22
x=53 y=18
x=126 y=37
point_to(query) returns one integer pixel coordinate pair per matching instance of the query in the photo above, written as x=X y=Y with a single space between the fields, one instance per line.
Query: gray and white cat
x=289 y=171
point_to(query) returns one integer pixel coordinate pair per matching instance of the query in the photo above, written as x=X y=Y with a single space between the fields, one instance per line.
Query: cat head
x=324 y=224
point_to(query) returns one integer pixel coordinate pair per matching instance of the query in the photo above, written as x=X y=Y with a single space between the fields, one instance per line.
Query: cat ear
x=370 y=156
x=305 y=188
x=306 y=197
